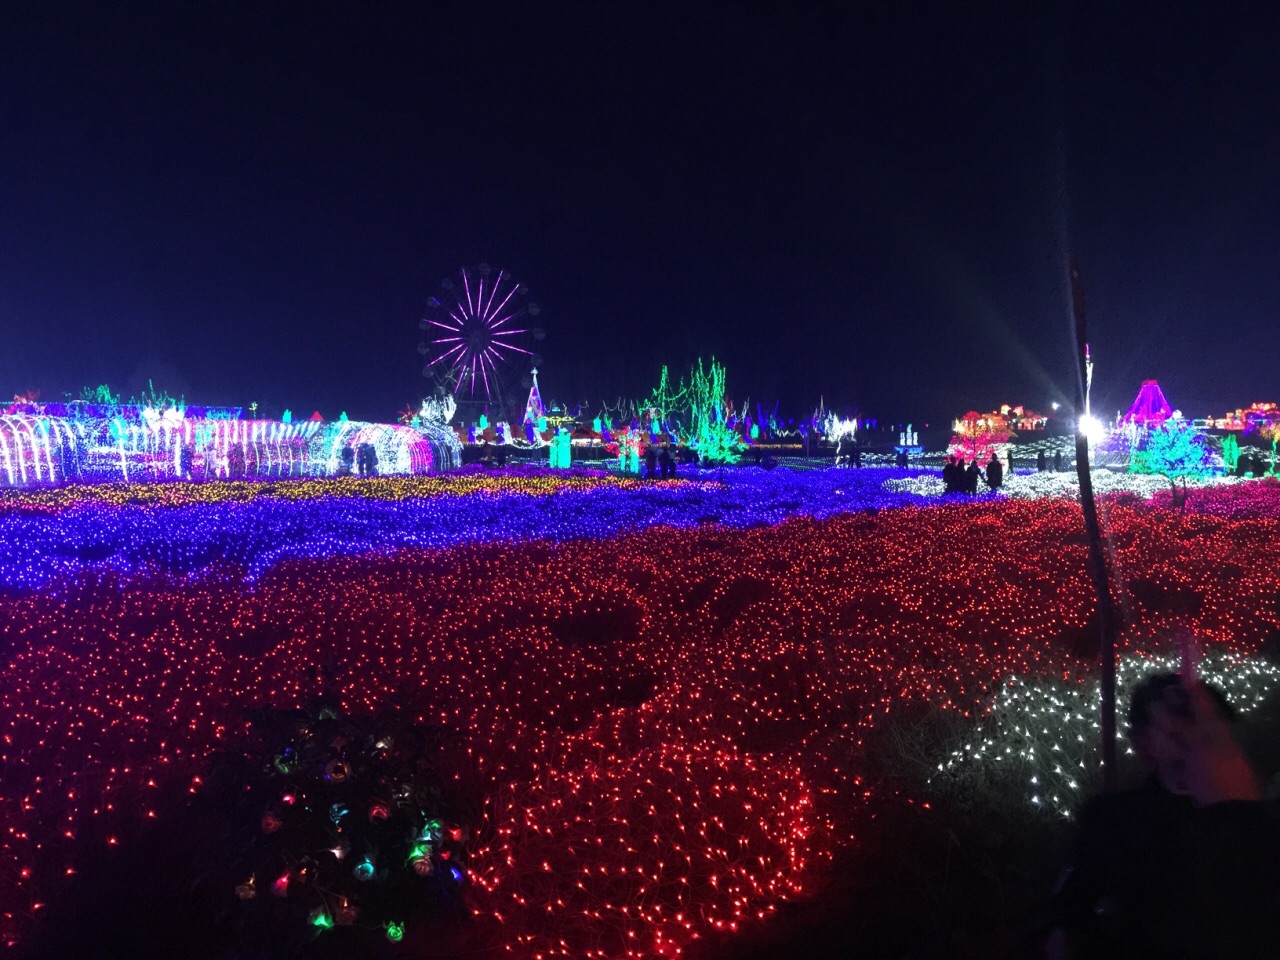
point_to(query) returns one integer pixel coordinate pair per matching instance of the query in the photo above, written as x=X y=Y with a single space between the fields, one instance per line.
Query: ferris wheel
x=479 y=335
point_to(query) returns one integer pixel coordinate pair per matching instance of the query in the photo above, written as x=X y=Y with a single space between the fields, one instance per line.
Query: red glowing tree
x=978 y=435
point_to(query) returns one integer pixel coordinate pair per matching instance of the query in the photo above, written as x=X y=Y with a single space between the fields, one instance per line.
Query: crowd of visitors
x=659 y=463
x=960 y=477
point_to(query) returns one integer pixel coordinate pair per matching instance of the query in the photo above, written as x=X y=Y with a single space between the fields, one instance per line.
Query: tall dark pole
x=1097 y=556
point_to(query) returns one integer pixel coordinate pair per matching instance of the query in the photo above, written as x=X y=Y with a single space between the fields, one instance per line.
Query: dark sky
x=867 y=202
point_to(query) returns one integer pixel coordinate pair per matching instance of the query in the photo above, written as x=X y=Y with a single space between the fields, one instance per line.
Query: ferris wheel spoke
x=466 y=283
x=508 y=317
x=446 y=354
x=447 y=326
x=507 y=346
x=485 y=313
x=511 y=293
x=493 y=359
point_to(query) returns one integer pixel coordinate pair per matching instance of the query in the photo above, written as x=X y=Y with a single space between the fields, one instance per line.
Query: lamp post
x=1097 y=557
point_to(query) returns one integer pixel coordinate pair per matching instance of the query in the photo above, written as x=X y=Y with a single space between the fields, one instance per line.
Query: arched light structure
x=39 y=450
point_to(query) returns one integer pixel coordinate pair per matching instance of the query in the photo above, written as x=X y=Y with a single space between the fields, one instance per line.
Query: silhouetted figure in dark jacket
x=1041 y=465
x=950 y=481
x=1182 y=866
x=971 y=478
x=667 y=465
x=995 y=472
x=1057 y=461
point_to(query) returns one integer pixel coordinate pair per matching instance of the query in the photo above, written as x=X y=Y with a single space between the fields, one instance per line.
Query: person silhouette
x=666 y=464
x=1184 y=864
x=971 y=478
x=995 y=472
x=650 y=462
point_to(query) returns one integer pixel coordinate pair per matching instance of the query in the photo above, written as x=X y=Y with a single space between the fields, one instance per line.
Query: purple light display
x=477 y=328
x=37 y=548
x=1150 y=408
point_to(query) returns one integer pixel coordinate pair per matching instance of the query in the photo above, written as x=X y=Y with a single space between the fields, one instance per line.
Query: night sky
x=869 y=203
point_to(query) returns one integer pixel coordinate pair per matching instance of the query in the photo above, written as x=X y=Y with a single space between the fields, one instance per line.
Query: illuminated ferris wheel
x=479 y=335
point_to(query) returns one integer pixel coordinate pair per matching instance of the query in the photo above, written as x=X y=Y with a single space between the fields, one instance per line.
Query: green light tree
x=99 y=394
x=709 y=413
x=1230 y=451
x=696 y=412
x=665 y=403
x=1176 y=451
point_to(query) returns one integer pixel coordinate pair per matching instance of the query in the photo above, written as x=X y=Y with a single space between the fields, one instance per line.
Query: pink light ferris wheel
x=479 y=335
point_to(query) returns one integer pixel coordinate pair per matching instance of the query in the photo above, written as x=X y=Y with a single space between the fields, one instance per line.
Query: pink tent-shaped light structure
x=533 y=408
x=1150 y=408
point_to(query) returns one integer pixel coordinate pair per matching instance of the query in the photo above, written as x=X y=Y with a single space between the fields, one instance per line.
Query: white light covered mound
x=1038 y=748
x=1048 y=484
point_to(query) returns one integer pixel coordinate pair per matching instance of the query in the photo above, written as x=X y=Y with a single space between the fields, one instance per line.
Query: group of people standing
x=1251 y=465
x=362 y=459
x=659 y=462
x=960 y=478
x=964 y=479
x=1042 y=463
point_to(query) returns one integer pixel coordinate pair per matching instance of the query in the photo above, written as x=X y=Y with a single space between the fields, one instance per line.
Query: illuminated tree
x=696 y=413
x=1271 y=430
x=665 y=403
x=709 y=413
x=99 y=394
x=978 y=435
x=1174 y=450
x=158 y=399
x=1231 y=451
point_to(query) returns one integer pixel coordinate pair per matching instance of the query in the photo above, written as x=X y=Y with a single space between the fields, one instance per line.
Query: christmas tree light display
x=336 y=821
x=1230 y=452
